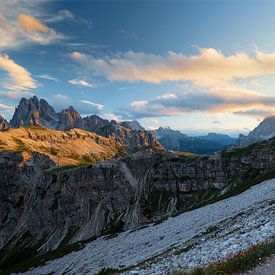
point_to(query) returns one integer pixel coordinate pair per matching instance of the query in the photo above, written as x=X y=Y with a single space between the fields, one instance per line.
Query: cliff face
x=43 y=210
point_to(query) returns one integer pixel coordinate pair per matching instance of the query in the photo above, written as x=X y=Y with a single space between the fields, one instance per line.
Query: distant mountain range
x=37 y=112
x=177 y=141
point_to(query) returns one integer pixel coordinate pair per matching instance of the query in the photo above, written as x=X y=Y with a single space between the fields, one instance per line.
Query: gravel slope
x=191 y=239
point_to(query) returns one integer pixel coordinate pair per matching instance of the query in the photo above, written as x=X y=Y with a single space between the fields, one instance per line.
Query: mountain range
x=37 y=112
x=177 y=141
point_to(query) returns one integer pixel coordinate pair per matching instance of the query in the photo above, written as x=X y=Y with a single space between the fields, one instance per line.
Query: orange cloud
x=210 y=67
x=31 y=24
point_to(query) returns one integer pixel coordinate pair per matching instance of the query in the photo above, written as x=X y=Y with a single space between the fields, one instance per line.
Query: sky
x=190 y=65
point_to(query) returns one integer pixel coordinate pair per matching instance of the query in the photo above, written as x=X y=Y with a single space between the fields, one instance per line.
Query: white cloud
x=139 y=104
x=47 y=77
x=19 y=78
x=81 y=82
x=98 y=106
x=111 y=116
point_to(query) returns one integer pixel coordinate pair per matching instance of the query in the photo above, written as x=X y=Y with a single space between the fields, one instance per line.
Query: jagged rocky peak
x=33 y=112
x=93 y=123
x=132 y=124
x=69 y=118
x=4 y=125
x=265 y=130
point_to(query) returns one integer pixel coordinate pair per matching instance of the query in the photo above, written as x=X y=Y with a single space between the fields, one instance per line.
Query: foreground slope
x=195 y=238
x=71 y=147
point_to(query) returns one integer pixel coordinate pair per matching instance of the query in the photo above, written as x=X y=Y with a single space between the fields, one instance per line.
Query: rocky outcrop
x=265 y=130
x=42 y=210
x=4 y=125
x=35 y=112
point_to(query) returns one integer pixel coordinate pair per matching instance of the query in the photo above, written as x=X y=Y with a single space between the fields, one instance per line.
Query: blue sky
x=193 y=66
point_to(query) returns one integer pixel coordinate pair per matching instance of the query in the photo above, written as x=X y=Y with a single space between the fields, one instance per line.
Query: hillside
x=71 y=147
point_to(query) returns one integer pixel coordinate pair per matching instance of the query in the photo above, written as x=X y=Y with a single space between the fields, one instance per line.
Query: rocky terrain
x=45 y=209
x=177 y=141
x=37 y=112
x=192 y=239
x=71 y=147
x=265 y=130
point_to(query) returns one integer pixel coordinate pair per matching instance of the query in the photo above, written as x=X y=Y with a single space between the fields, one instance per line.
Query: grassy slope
x=238 y=263
x=73 y=147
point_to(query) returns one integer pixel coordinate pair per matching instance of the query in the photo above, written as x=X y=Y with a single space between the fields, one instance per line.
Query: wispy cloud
x=129 y=35
x=19 y=25
x=68 y=15
x=18 y=77
x=6 y=108
x=81 y=82
x=47 y=77
x=96 y=105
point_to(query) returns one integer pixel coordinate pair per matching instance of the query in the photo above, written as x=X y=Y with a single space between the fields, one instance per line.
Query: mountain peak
x=265 y=130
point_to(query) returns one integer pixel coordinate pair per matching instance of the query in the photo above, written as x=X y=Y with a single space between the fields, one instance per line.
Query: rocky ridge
x=37 y=112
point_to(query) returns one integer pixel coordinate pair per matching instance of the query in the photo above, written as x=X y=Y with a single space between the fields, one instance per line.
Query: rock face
x=265 y=130
x=4 y=125
x=41 y=211
x=35 y=112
